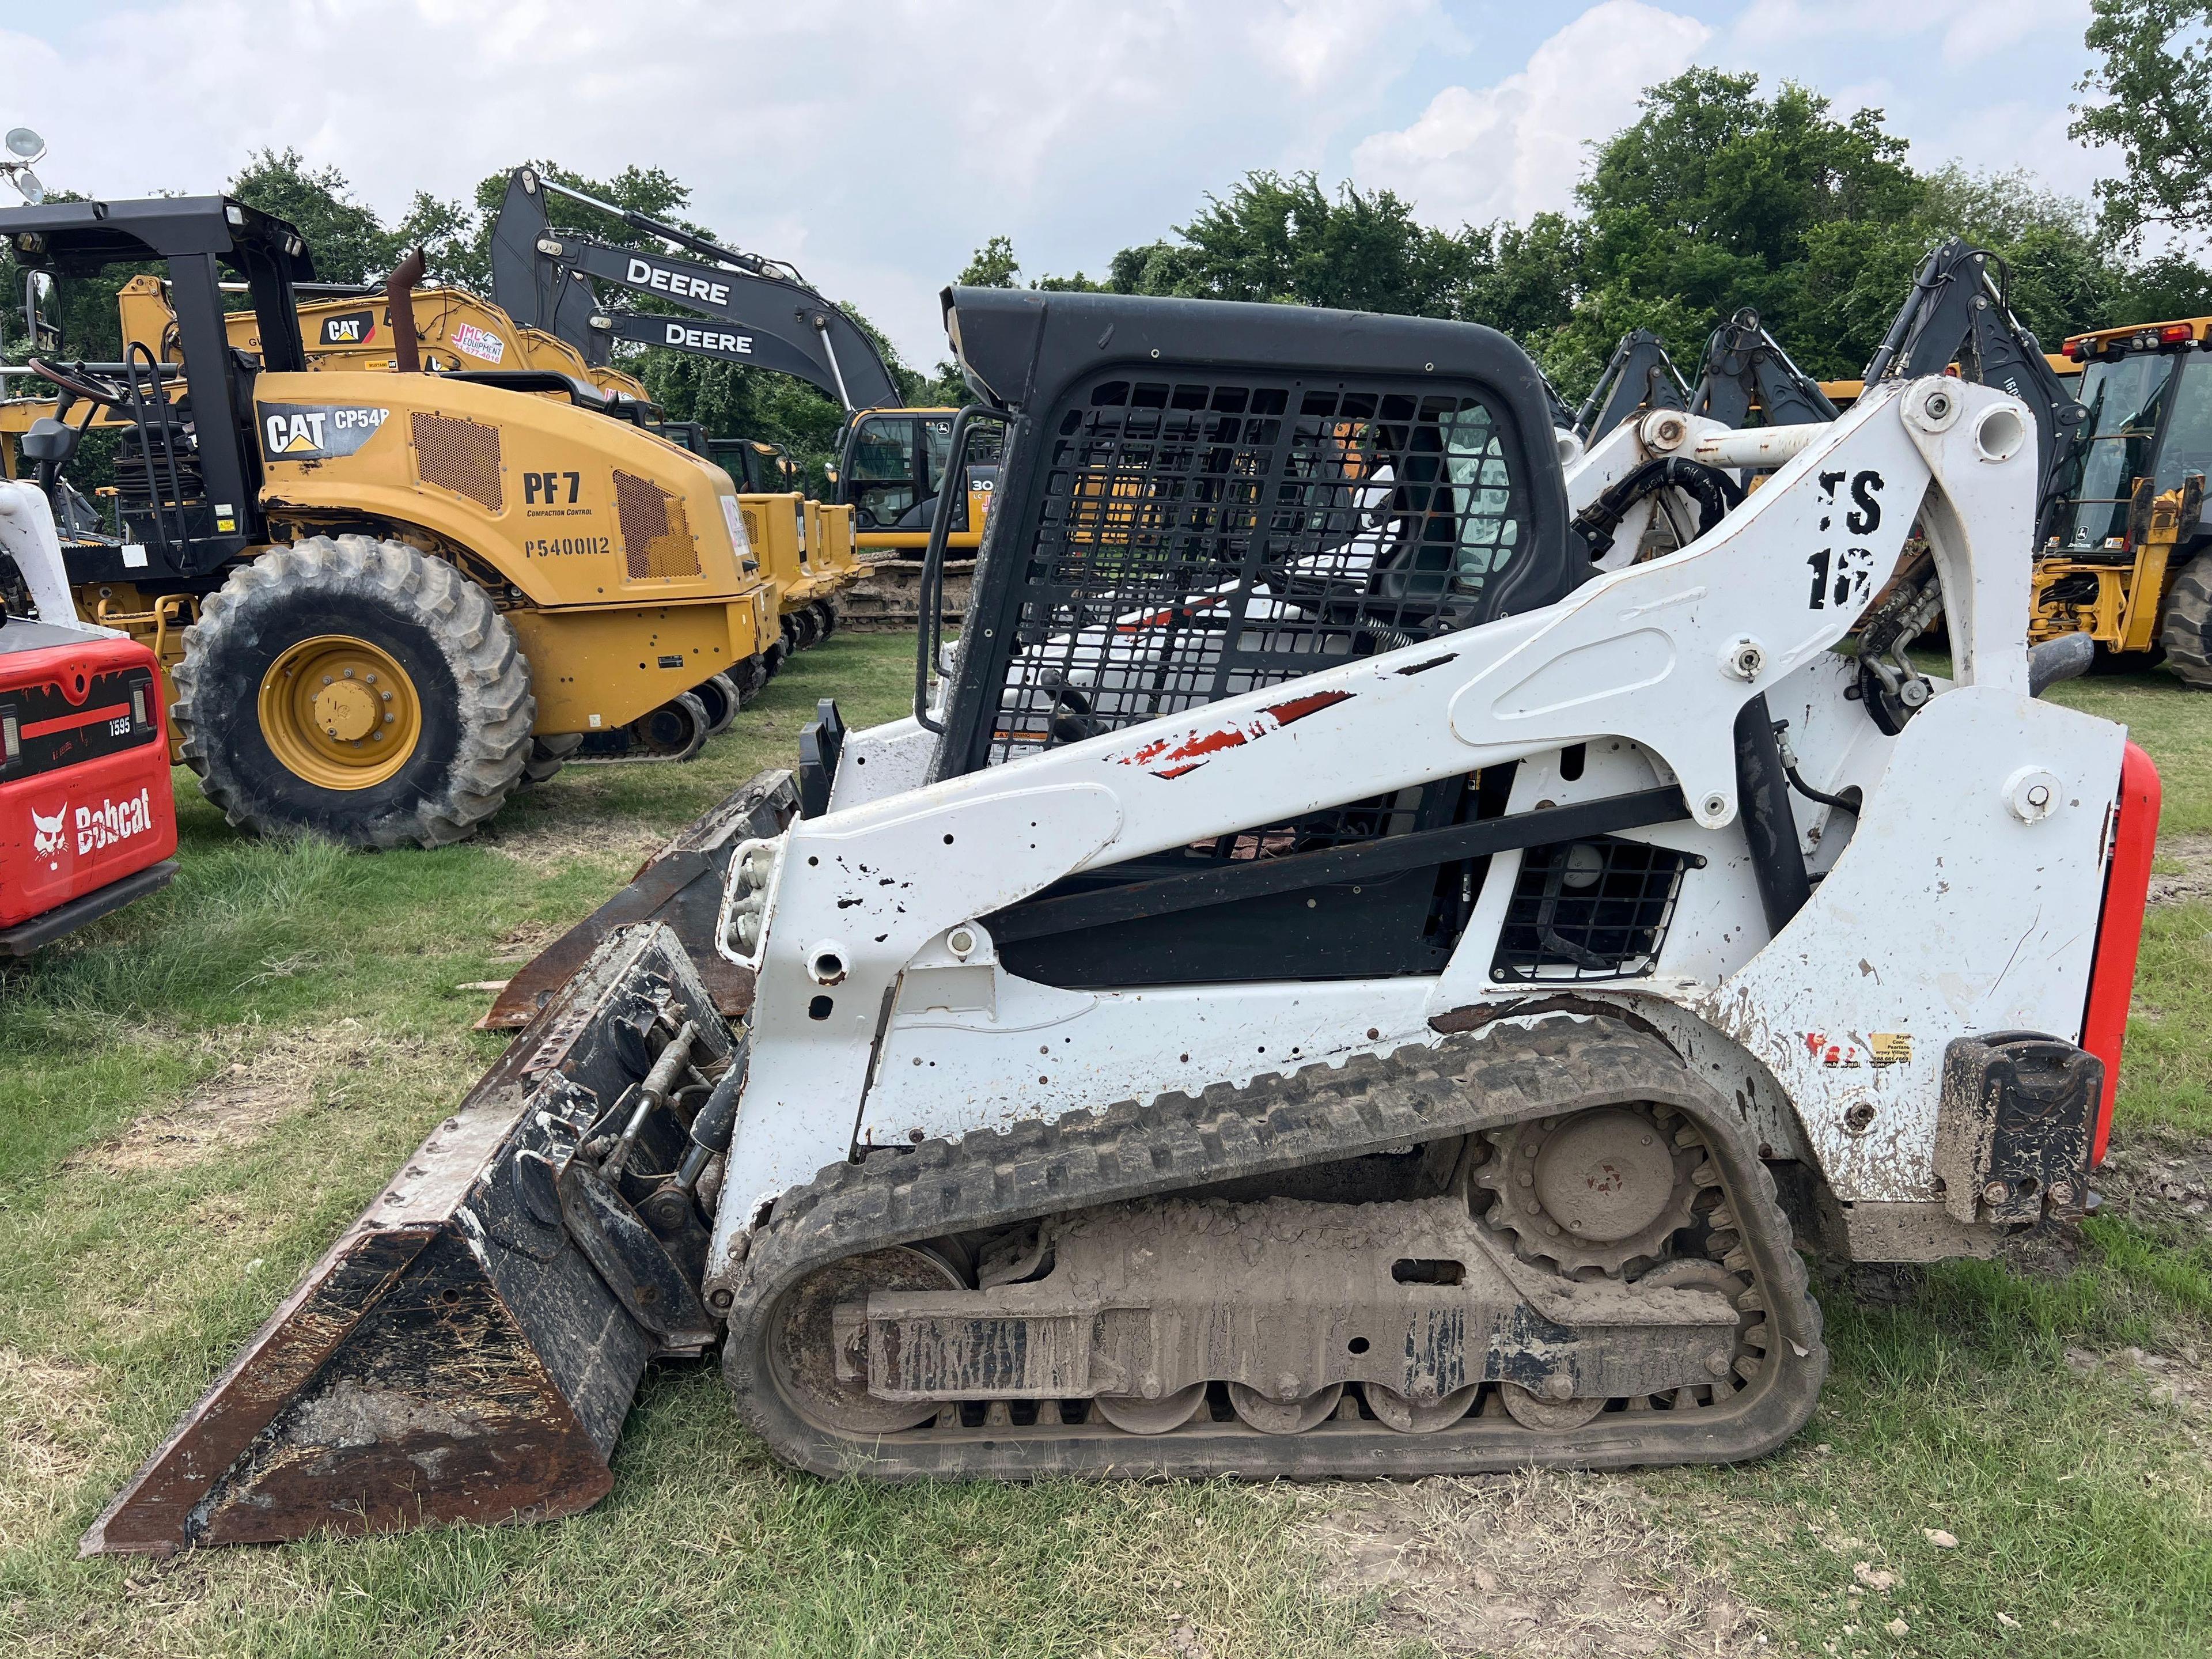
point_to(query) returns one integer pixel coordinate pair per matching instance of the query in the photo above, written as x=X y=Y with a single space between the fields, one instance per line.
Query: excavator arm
x=755 y=312
x=1957 y=313
x=1745 y=366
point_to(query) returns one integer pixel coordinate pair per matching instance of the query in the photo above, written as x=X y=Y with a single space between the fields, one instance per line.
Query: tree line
x=1719 y=194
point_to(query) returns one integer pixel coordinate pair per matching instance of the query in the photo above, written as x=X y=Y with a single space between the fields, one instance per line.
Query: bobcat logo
x=47 y=839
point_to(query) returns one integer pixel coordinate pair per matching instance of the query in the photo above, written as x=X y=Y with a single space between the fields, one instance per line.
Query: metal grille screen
x=1589 y=909
x=1200 y=538
x=462 y=456
x=656 y=540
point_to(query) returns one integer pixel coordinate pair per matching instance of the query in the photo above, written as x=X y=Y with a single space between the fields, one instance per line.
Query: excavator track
x=904 y=1223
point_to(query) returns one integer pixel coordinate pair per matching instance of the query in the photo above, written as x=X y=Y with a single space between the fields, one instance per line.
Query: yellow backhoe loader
x=2127 y=558
x=380 y=599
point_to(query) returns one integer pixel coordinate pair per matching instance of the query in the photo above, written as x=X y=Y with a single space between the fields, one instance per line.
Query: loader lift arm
x=764 y=316
x=1638 y=375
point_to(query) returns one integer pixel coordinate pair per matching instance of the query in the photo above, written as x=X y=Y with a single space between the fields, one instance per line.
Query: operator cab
x=894 y=467
x=187 y=472
x=2149 y=391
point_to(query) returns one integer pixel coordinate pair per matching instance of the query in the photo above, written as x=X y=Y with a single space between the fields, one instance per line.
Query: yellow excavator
x=380 y=599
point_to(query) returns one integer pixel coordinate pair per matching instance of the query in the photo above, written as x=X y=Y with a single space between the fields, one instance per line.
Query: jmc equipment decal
x=480 y=344
x=317 y=432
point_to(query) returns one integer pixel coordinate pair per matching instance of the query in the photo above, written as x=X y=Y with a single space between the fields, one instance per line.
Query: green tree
x=2151 y=88
x=1272 y=238
x=348 y=242
x=1717 y=196
x=993 y=266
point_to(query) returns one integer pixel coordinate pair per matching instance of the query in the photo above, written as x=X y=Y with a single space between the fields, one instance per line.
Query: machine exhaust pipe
x=400 y=309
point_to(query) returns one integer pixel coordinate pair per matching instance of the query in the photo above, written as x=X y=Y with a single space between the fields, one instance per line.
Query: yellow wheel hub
x=339 y=712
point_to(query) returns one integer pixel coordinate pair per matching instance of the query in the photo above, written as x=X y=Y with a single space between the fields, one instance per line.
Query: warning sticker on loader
x=1851 y=1053
x=317 y=432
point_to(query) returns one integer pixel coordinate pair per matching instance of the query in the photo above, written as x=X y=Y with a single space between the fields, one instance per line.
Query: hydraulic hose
x=1713 y=490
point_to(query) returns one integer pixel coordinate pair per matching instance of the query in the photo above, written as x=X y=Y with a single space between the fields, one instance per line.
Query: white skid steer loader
x=1330 y=981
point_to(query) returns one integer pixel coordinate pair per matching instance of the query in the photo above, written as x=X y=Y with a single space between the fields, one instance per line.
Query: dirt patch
x=2193 y=853
x=2150 y=1176
x=1535 y=1564
x=523 y=942
x=553 y=843
x=284 y=1074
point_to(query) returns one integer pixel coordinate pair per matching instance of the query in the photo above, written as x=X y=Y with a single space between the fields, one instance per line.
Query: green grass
x=314 y=994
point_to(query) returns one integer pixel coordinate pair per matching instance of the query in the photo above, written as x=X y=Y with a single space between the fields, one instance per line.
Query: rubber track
x=1468 y=1082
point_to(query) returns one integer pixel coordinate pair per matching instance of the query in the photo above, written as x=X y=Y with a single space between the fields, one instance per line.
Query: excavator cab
x=896 y=471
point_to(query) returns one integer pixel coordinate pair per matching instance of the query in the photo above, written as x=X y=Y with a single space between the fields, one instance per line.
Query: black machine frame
x=199 y=238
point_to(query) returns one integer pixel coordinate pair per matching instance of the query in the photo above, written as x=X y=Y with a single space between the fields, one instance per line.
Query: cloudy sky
x=877 y=143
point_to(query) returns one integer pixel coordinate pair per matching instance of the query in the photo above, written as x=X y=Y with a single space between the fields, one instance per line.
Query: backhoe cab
x=2126 y=556
x=379 y=599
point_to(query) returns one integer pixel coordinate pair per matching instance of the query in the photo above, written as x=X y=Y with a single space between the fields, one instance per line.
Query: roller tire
x=2186 y=632
x=722 y=700
x=470 y=678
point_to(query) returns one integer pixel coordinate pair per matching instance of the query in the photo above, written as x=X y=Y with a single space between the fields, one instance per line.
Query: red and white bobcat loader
x=1331 y=979
x=87 y=819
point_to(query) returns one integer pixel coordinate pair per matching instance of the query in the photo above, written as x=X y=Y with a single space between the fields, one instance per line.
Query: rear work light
x=138 y=711
x=11 y=738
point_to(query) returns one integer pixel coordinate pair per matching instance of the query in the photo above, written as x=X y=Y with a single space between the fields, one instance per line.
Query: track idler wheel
x=1410 y=1416
x=1545 y=1414
x=803 y=1353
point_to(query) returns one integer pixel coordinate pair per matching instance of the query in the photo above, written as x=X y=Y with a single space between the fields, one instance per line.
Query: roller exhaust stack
x=468 y=1350
x=399 y=305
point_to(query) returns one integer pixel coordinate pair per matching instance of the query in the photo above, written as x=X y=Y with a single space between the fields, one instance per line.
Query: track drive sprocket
x=1596 y=1190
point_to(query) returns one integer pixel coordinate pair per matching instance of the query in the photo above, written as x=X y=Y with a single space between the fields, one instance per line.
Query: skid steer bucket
x=468 y=1350
x=680 y=886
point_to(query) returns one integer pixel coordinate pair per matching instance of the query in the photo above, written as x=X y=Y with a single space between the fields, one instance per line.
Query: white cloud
x=1517 y=148
x=1972 y=30
x=879 y=141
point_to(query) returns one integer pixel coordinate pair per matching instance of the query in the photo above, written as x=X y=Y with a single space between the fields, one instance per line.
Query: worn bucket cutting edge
x=455 y=1356
x=680 y=886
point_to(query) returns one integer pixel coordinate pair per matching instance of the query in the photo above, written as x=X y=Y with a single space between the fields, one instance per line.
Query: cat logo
x=47 y=838
x=349 y=328
x=315 y=432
